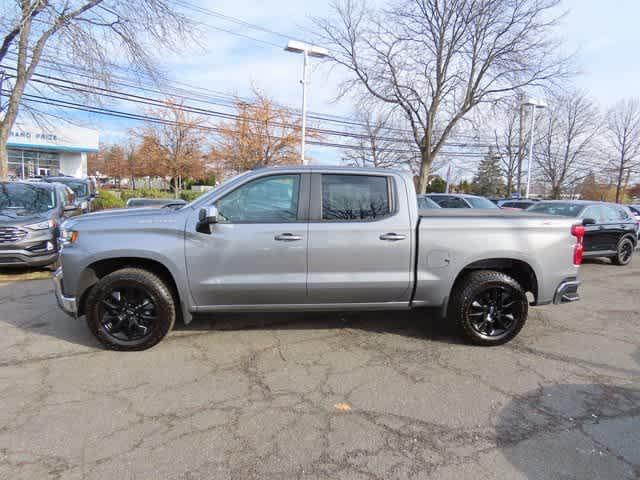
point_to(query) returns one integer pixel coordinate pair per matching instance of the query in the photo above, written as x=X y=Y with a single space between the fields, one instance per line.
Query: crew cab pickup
x=312 y=238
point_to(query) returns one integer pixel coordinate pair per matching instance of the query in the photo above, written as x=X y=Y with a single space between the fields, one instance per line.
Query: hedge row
x=114 y=199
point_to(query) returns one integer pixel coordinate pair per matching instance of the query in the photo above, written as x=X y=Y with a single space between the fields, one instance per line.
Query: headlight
x=42 y=225
x=67 y=237
x=84 y=205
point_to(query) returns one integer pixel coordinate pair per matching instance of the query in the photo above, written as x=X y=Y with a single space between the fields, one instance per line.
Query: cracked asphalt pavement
x=360 y=396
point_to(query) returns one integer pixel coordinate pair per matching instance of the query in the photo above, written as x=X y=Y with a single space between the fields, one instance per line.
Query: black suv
x=30 y=214
x=610 y=229
x=83 y=189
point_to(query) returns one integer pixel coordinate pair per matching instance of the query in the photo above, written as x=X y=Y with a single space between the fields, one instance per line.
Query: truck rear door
x=360 y=239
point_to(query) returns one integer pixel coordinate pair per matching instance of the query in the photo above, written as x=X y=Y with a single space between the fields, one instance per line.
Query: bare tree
x=507 y=145
x=378 y=146
x=438 y=59
x=623 y=137
x=86 y=33
x=567 y=134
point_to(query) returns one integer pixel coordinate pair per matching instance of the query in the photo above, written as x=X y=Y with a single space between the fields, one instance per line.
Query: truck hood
x=16 y=218
x=124 y=216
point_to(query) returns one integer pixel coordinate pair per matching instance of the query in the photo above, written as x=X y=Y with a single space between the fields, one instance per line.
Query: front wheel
x=489 y=307
x=130 y=309
x=624 y=252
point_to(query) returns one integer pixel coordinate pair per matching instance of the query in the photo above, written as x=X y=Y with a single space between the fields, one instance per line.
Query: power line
x=139 y=117
x=110 y=93
x=227 y=100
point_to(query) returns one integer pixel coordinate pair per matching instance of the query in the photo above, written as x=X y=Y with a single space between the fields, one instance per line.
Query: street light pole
x=534 y=104
x=530 y=161
x=307 y=51
x=304 y=107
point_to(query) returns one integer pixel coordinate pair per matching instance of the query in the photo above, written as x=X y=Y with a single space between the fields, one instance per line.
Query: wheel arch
x=100 y=268
x=517 y=269
x=631 y=236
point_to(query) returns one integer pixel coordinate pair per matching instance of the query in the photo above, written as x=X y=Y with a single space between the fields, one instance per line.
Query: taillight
x=578 y=249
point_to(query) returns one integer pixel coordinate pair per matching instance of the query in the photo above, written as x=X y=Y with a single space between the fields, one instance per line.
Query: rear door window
x=355 y=197
x=614 y=214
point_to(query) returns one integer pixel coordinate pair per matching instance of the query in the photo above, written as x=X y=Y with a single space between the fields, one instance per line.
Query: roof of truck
x=336 y=168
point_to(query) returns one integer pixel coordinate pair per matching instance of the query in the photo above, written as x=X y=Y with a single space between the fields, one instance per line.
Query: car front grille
x=11 y=234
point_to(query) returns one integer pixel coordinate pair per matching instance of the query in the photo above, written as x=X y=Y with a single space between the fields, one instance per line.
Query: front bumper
x=25 y=258
x=567 y=292
x=67 y=304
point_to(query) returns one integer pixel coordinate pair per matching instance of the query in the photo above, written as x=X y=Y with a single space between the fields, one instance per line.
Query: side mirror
x=588 y=221
x=206 y=217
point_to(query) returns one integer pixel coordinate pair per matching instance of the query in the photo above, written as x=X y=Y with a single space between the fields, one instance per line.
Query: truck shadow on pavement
x=422 y=324
x=573 y=431
x=32 y=309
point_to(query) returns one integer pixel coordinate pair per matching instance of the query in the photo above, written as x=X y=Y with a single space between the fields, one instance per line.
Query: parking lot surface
x=368 y=396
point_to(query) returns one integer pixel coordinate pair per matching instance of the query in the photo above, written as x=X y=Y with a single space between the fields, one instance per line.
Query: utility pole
x=446 y=190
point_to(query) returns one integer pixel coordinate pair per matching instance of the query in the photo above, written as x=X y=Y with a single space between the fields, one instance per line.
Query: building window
x=31 y=163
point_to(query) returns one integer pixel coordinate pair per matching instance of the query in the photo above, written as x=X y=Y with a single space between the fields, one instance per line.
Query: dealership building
x=43 y=150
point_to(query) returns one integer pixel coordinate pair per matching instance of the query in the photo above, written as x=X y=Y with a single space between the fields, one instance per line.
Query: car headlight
x=42 y=225
x=84 y=205
x=67 y=237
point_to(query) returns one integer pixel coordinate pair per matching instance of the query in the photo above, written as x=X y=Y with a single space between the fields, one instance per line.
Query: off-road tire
x=157 y=290
x=475 y=284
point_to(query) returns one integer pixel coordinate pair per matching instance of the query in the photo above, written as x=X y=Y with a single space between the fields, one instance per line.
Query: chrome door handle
x=288 y=237
x=392 y=237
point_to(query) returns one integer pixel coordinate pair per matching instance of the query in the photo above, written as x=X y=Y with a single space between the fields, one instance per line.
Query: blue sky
x=605 y=36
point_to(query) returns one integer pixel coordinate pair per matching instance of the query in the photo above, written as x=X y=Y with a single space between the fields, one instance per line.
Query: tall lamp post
x=535 y=105
x=307 y=51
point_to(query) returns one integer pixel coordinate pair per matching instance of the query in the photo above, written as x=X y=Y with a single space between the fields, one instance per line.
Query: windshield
x=557 y=208
x=480 y=202
x=30 y=198
x=426 y=202
x=80 y=189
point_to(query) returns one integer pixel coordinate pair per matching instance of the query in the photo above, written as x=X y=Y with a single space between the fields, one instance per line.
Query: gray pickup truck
x=310 y=239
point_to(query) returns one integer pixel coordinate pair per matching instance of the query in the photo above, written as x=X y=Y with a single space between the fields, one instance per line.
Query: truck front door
x=359 y=239
x=257 y=252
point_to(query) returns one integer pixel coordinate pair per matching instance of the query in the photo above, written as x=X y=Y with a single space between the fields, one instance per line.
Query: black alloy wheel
x=130 y=309
x=625 y=252
x=127 y=313
x=489 y=307
x=494 y=311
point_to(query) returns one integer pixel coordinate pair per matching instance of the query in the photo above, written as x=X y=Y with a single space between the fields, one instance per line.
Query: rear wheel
x=130 y=309
x=489 y=307
x=624 y=252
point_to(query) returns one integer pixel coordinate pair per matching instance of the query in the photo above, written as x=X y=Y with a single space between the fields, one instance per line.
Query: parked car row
x=611 y=230
x=31 y=213
x=30 y=217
